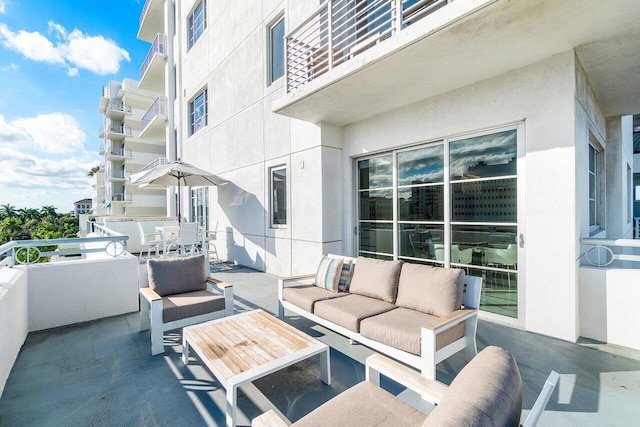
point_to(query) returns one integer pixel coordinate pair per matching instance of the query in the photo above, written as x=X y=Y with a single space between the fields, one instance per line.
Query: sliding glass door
x=449 y=203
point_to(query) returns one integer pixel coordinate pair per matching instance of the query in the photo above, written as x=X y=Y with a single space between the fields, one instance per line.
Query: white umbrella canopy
x=176 y=173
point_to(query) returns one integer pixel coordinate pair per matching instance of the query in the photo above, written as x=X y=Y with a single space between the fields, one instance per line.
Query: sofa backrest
x=431 y=290
x=376 y=279
x=487 y=392
x=177 y=276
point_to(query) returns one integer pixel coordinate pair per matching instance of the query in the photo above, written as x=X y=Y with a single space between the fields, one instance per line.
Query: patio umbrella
x=176 y=173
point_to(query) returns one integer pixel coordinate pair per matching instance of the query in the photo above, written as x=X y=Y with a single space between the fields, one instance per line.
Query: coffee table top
x=244 y=342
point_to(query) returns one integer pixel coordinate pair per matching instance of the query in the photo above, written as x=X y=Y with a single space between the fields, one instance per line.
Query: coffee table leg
x=232 y=398
x=325 y=367
x=185 y=350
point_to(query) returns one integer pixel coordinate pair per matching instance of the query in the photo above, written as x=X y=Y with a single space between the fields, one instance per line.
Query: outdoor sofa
x=417 y=314
x=486 y=393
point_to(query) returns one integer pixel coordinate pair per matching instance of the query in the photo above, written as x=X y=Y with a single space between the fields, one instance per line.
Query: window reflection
x=484 y=156
x=376 y=237
x=423 y=203
x=375 y=173
x=421 y=166
x=421 y=241
x=494 y=200
x=376 y=204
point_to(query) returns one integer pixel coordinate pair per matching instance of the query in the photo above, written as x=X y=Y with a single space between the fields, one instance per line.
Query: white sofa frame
x=429 y=357
x=151 y=313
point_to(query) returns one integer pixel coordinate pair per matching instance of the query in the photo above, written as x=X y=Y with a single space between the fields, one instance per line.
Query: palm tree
x=93 y=170
x=8 y=211
x=48 y=211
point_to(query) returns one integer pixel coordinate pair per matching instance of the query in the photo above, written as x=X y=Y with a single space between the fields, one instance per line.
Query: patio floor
x=102 y=373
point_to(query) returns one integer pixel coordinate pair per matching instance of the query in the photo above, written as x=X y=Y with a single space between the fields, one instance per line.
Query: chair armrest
x=431 y=391
x=218 y=283
x=149 y=294
x=292 y=278
x=268 y=419
x=542 y=400
x=450 y=320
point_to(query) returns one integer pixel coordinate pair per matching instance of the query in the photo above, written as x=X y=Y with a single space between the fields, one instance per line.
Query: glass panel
x=422 y=166
x=494 y=200
x=421 y=241
x=499 y=291
x=376 y=237
x=421 y=203
x=484 y=245
x=592 y=186
x=376 y=256
x=376 y=204
x=277 y=51
x=484 y=156
x=592 y=213
x=592 y=159
x=375 y=173
x=279 y=201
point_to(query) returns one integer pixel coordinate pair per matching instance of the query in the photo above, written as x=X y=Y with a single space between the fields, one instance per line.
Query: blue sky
x=55 y=57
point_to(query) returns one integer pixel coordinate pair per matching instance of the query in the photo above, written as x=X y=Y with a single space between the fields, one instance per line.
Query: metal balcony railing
x=341 y=29
x=120 y=152
x=159 y=46
x=121 y=197
x=603 y=252
x=116 y=105
x=158 y=108
x=144 y=10
x=157 y=162
x=106 y=92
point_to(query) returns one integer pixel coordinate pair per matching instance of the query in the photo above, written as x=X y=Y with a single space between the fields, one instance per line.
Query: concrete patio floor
x=102 y=373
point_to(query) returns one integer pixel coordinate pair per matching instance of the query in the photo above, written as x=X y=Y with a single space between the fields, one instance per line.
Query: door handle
x=521 y=240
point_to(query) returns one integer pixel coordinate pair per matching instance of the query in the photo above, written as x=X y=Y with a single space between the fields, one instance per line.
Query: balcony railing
x=121 y=197
x=604 y=252
x=115 y=105
x=119 y=152
x=157 y=162
x=158 y=108
x=144 y=10
x=159 y=46
x=106 y=92
x=341 y=29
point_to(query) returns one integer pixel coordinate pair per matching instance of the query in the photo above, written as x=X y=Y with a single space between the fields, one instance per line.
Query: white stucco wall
x=541 y=98
x=13 y=318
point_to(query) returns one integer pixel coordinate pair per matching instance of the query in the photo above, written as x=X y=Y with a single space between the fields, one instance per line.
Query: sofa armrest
x=218 y=283
x=450 y=320
x=268 y=419
x=149 y=294
x=376 y=365
x=295 y=278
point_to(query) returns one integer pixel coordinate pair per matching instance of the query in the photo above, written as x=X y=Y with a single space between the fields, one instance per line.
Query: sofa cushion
x=401 y=328
x=305 y=297
x=431 y=290
x=177 y=276
x=363 y=405
x=348 y=267
x=376 y=279
x=328 y=274
x=183 y=306
x=349 y=310
x=487 y=392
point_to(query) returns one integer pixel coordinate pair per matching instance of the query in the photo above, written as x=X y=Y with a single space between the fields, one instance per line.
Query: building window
x=197 y=22
x=275 y=53
x=200 y=206
x=279 y=197
x=198 y=112
x=594 y=188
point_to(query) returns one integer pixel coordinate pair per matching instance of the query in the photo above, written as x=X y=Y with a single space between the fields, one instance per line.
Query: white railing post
x=330 y=34
x=397 y=5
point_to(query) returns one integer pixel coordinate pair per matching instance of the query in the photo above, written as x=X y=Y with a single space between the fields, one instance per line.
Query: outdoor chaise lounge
x=417 y=314
x=180 y=294
x=486 y=393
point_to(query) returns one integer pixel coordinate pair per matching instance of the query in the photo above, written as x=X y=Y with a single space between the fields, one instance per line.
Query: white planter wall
x=14 y=324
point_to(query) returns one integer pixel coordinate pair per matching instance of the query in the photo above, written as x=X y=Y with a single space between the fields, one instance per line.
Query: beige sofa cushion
x=349 y=310
x=431 y=290
x=486 y=393
x=363 y=405
x=190 y=304
x=401 y=328
x=376 y=279
x=305 y=297
x=177 y=276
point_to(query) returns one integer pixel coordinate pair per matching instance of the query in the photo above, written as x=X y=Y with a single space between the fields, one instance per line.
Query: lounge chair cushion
x=349 y=310
x=487 y=392
x=431 y=290
x=401 y=328
x=190 y=304
x=306 y=296
x=328 y=274
x=363 y=405
x=177 y=276
x=376 y=279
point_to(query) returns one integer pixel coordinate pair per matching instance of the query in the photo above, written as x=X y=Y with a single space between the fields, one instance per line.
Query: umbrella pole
x=179 y=219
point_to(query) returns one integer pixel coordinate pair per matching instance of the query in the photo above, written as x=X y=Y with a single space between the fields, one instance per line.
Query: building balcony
x=118 y=154
x=151 y=20
x=121 y=197
x=114 y=109
x=352 y=60
x=101 y=149
x=152 y=72
x=115 y=132
x=116 y=176
x=154 y=121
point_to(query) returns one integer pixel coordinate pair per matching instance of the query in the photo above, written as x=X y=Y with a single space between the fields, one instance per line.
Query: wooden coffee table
x=241 y=348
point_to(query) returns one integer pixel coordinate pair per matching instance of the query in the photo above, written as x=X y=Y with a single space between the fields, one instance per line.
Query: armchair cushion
x=190 y=304
x=177 y=276
x=328 y=274
x=363 y=404
x=431 y=290
x=487 y=392
x=376 y=279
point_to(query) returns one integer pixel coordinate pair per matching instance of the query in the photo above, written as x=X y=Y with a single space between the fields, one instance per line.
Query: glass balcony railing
x=159 y=46
x=157 y=109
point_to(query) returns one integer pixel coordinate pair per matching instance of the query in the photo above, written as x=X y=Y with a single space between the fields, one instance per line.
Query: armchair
x=180 y=294
x=487 y=392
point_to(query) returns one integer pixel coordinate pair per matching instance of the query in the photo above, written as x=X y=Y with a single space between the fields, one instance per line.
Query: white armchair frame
x=151 y=313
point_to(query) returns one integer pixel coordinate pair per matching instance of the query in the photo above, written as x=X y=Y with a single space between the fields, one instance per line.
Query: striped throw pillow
x=328 y=274
x=346 y=273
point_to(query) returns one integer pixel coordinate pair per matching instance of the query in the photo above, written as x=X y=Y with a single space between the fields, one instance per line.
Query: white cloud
x=3 y=6
x=74 y=50
x=49 y=133
x=10 y=67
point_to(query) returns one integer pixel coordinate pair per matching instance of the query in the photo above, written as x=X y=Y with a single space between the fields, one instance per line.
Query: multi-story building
x=82 y=207
x=127 y=150
x=336 y=125
x=98 y=200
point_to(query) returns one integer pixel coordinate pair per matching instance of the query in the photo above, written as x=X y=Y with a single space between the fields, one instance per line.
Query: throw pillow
x=431 y=290
x=328 y=274
x=177 y=276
